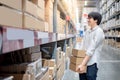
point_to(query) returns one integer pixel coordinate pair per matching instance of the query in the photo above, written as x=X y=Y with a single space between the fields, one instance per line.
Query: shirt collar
x=94 y=28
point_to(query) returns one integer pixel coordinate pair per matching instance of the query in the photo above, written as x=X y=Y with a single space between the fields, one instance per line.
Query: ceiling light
x=86 y=2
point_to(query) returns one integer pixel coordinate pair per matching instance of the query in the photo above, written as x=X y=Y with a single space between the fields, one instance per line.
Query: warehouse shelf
x=103 y=4
x=111 y=5
x=61 y=8
x=104 y=21
x=114 y=15
x=16 y=39
x=104 y=12
x=117 y=36
x=112 y=28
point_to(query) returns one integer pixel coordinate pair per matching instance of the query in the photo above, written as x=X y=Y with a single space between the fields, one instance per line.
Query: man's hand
x=81 y=69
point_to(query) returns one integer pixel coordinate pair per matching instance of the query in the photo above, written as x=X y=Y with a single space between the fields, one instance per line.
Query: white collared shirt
x=92 y=43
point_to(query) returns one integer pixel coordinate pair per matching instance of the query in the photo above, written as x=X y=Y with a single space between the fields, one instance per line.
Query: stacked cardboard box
x=41 y=76
x=45 y=76
x=49 y=14
x=6 y=78
x=19 y=76
x=13 y=4
x=78 y=39
x=31 y=68
x=27 y=14
x=52 y=67
x=33 y=23
x=40 y=8
x=58 y=57
x=76 y=58
x=60 y=23
x=34 y=8
x=61 y=68
x=68 y=51
x=46 y=28
x=19 y=57
x=33 y=15
x=9 y=17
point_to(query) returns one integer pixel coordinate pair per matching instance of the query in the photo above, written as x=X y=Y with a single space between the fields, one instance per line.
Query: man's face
x=91 y=21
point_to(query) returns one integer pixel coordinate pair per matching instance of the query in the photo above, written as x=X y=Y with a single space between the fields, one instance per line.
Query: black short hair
x=96 y=16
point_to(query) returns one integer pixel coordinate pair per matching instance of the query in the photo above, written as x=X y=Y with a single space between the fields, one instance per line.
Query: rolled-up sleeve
x=96 y=40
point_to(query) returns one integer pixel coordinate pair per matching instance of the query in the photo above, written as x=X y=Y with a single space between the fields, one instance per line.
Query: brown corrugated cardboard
x=59 y=57
x=68 y=51
x=30 y=8
x=3 y=77
x=48 y=62
x=78 y=39
x=51 y=77
x=32 y=57
x=41 y=14
x=73 y=67
x=45 y=76
x=33 y=49
x=78 y=53
x=46 y=27
x=39 y=3
x=32 y=23
x=20 y=76
x=10 y=17
x=32 y=68
x=76 y=60
x=51 y=71
x=17 y=4
x=49 y=14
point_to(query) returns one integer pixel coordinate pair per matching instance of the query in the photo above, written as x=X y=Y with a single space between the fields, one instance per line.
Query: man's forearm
x=85 y=60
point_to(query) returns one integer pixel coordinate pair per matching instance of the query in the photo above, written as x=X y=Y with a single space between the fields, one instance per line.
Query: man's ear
x=96 y=21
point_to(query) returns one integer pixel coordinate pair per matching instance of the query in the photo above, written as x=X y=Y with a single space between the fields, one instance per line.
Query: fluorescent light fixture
x=86 y=2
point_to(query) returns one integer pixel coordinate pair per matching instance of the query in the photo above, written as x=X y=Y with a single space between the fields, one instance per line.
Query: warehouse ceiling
x=85 y=3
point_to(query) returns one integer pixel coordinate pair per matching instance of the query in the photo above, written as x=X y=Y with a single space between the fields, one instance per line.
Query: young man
x=92 y=43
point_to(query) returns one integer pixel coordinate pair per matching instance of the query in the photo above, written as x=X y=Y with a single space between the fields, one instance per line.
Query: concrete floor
x=109 y=65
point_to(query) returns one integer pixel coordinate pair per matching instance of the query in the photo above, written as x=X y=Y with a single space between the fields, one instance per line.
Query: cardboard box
x=68 y=51
x=41 y=14
x=10 y=17
x=40 y=3
x=51 y=77
x=30 y=8
x=59 y=57
x=73 y=67
x=33 y=49
x=51 y=71
x=78 y=53
x=50 y=62
x=49 y=14
x=78 y=39
x=76 y=60
x=32 y=68
x=16 y=4
x=3 y=77
x=20 y=76
x=48 y=4
x=46 y=28
x=32 y=23
x=32 y=57
x=45 y=76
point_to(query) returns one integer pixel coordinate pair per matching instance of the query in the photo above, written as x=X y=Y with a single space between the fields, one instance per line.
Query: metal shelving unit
x=110 y=51
x=15 y=39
